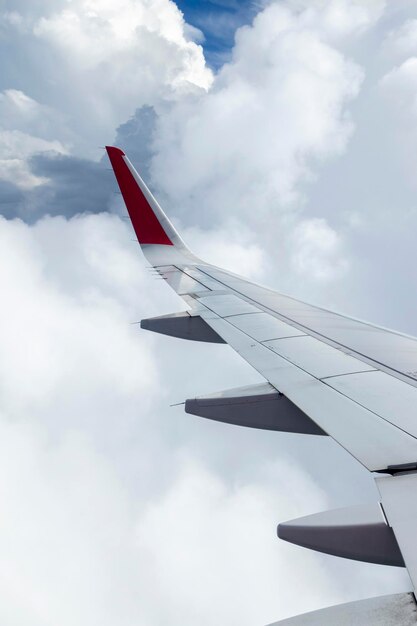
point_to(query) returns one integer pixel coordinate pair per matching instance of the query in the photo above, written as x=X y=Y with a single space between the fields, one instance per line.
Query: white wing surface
x=348 y=379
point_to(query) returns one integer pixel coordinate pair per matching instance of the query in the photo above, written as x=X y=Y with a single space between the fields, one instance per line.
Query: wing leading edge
x=351 y=380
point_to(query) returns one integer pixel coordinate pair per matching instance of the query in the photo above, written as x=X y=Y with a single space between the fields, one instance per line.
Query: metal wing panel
x=293 y=368
x=316 y=357
x=392 y=399
x=369 y=432
x=264 y=327
x=202 y=278
x=372 y=440
x=227 y=304
x=387 y=348
x=398 y=494
x=182 y=283
x=392 y=610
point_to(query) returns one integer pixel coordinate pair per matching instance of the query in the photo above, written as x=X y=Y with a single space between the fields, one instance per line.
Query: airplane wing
x=325 y=374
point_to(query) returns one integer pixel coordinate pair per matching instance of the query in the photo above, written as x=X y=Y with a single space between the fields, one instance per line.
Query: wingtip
x=149 y=222
x=113 y=150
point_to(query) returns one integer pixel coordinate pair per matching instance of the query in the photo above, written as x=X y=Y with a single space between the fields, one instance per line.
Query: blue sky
x=218 y=21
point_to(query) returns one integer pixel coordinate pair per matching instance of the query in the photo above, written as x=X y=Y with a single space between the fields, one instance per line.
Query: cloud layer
x=113 y=506
x=292 y=164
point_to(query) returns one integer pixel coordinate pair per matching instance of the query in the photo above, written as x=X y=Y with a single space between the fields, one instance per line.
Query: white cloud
x=26 y=128
x=112 y=508
x=401 y=84
x=15 y=150
x=275 y=112
x=223 y=554
x=105 y=356
x=10 y=18
x=233 y=248
x=403 y=40
x=88 y=66
x=122 y=56
x=20 y=112
x=339 y=18
x=398 y=90
x=316 y=251
x=77 y=548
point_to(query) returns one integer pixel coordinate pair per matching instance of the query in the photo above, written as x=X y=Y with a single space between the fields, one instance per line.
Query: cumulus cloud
x=114 y=507
x=234 y=162
x=26 y=128
x=135 y=509
x=106 y=60
x=87 y=66
x=338 y=19
x=16 y=149
x=274 y=114
x=403 y=40
x=136 y=137
x=399 y=89
x=45 y=359
x=234 y=248
x=20 y=112
x=316 y=251
x=401 y=84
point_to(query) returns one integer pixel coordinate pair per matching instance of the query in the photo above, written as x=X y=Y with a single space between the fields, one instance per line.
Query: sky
x=280 y=137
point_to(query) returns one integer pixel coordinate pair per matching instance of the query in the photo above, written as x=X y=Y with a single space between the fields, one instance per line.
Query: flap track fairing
x=182 y=325
x=258 y=406
x=360 y=533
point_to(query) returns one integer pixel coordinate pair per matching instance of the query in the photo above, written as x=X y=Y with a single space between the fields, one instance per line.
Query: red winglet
x=146 y=224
